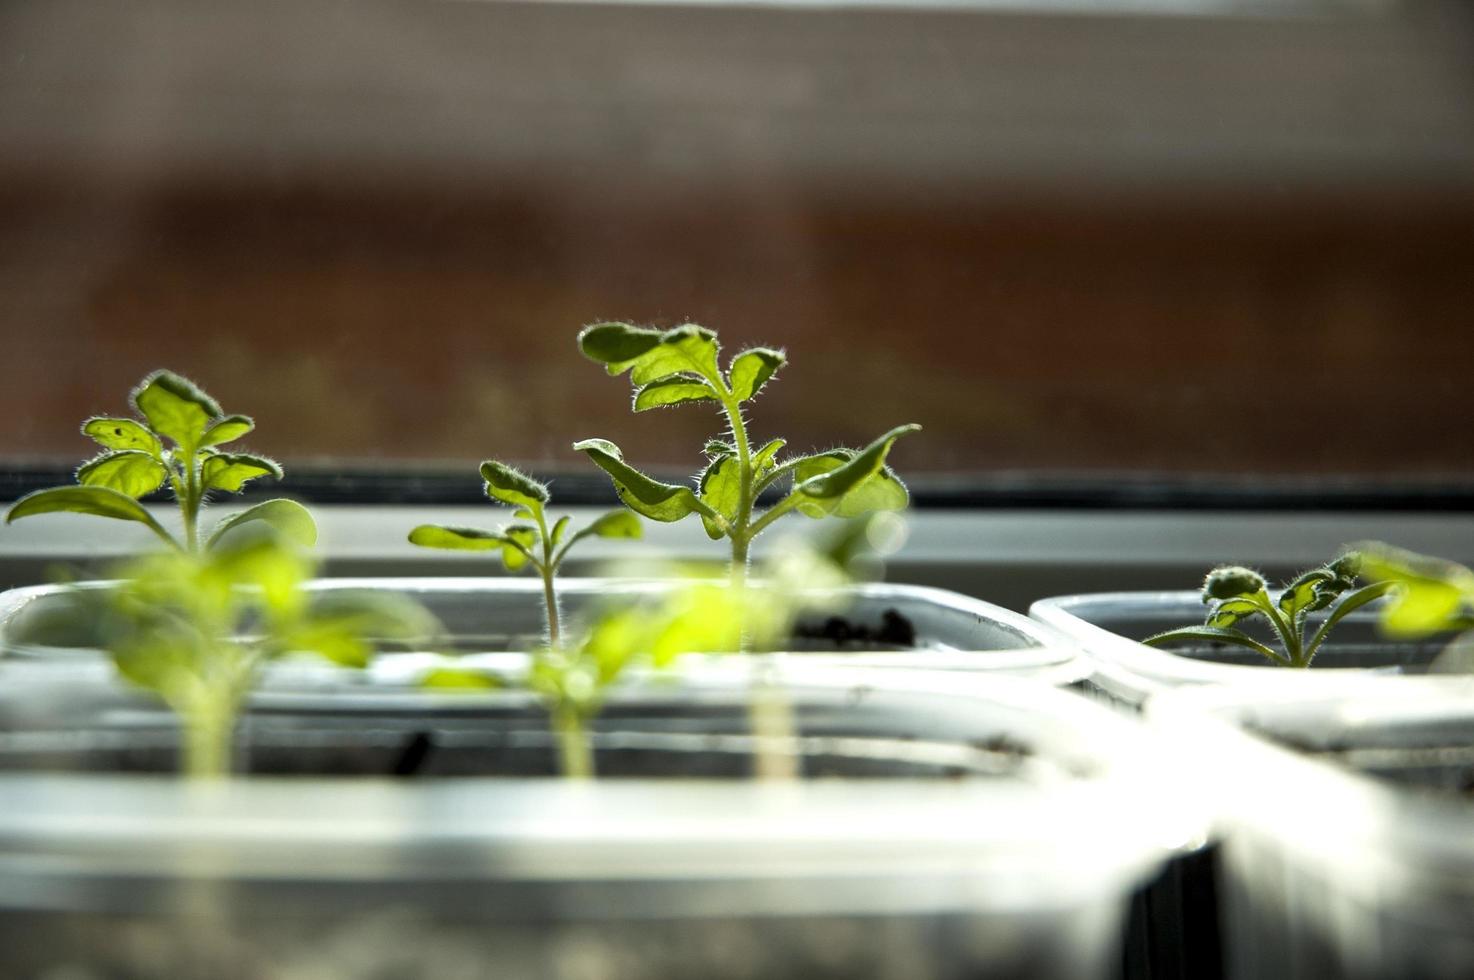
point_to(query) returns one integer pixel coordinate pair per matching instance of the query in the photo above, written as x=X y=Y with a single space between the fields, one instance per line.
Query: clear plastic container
x=1109 y=625
x=1347 y=823
x=491 y=621
x=951 y=825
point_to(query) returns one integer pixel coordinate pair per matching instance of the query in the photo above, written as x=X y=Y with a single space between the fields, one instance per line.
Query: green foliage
x=1235 y=594
x=197 y=629
x=682 y=365
x=522 y=545
x=1427 y=595
x=172 y=445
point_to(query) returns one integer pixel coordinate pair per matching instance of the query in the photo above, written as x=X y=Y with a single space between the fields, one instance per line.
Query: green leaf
x=560 y=527
x=456 y=538
x=231 y=471
x=718 y=447
x=513 y=487
x=861 y=466
x=114 y=433
x=882 y=491
x=1352 y=602
x=616 y=524
x=645 y=496
x=721 y=490
x=617 y=343
x=752 y=368
x=762 y=460
x=134 y=472
x=672 y=391
x=1209 y=634
x=228 y=429
x=1422 y=607
x=1230 y=611
x=650 y=355
x=287 y=517
x=175 y=407
x=98 y=501
x=1302 y=593
x=521 y=540
x=460 y=679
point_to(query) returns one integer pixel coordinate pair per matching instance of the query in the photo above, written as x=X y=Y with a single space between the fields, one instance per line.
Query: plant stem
x=209 y=729
x=769 y=713
x=550 y=604
x=189 y=505
x=547 y=568
x=575 y=759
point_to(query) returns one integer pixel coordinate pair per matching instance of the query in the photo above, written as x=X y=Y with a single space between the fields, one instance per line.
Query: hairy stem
x=547 y=568
x=189 y=504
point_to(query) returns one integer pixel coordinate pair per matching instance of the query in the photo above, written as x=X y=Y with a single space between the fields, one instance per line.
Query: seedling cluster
x=196 y=623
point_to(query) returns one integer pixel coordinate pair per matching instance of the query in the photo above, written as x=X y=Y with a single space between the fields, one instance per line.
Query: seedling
x=175 y=443
x=524 y=545
x=678 y=366
x=573 y=681
x=1236 y=594
x=1428 y=595
x=197 y=630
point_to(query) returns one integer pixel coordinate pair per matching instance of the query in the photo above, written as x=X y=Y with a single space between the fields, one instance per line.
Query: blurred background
x=1177 y=242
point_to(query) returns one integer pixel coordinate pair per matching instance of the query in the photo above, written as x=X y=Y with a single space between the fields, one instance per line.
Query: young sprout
x=1237 y=594
x=574 y=680
x=678 y=366
x=1428 y=595
x=526 y=544
x=174 y=442
x=197 y=630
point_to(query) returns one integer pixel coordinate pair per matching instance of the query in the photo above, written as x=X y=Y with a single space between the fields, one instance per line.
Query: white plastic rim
x=1384 y=844
x=837 y=846
x=958 y=632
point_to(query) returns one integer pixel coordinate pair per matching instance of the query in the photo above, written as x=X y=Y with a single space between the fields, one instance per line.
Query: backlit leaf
x=98 y=501
x=115 y=433
x=645 y=496
x=456 y=538
x=521 y=540
x=762 y=460
x=1302 y=593
x=751 y=369
x=175 y=407
x=672 y=391
x=721 y=490
x=513 y=487
x=616 y=524
x=287 y=517
x=129 y=471
x=228 y=429
x=1230 y=611
x=231 y=471
x=862 y=465
x=718 y=447
x=460 y=679
x=650 y=355
x=1209 y=634
x=560 y=527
